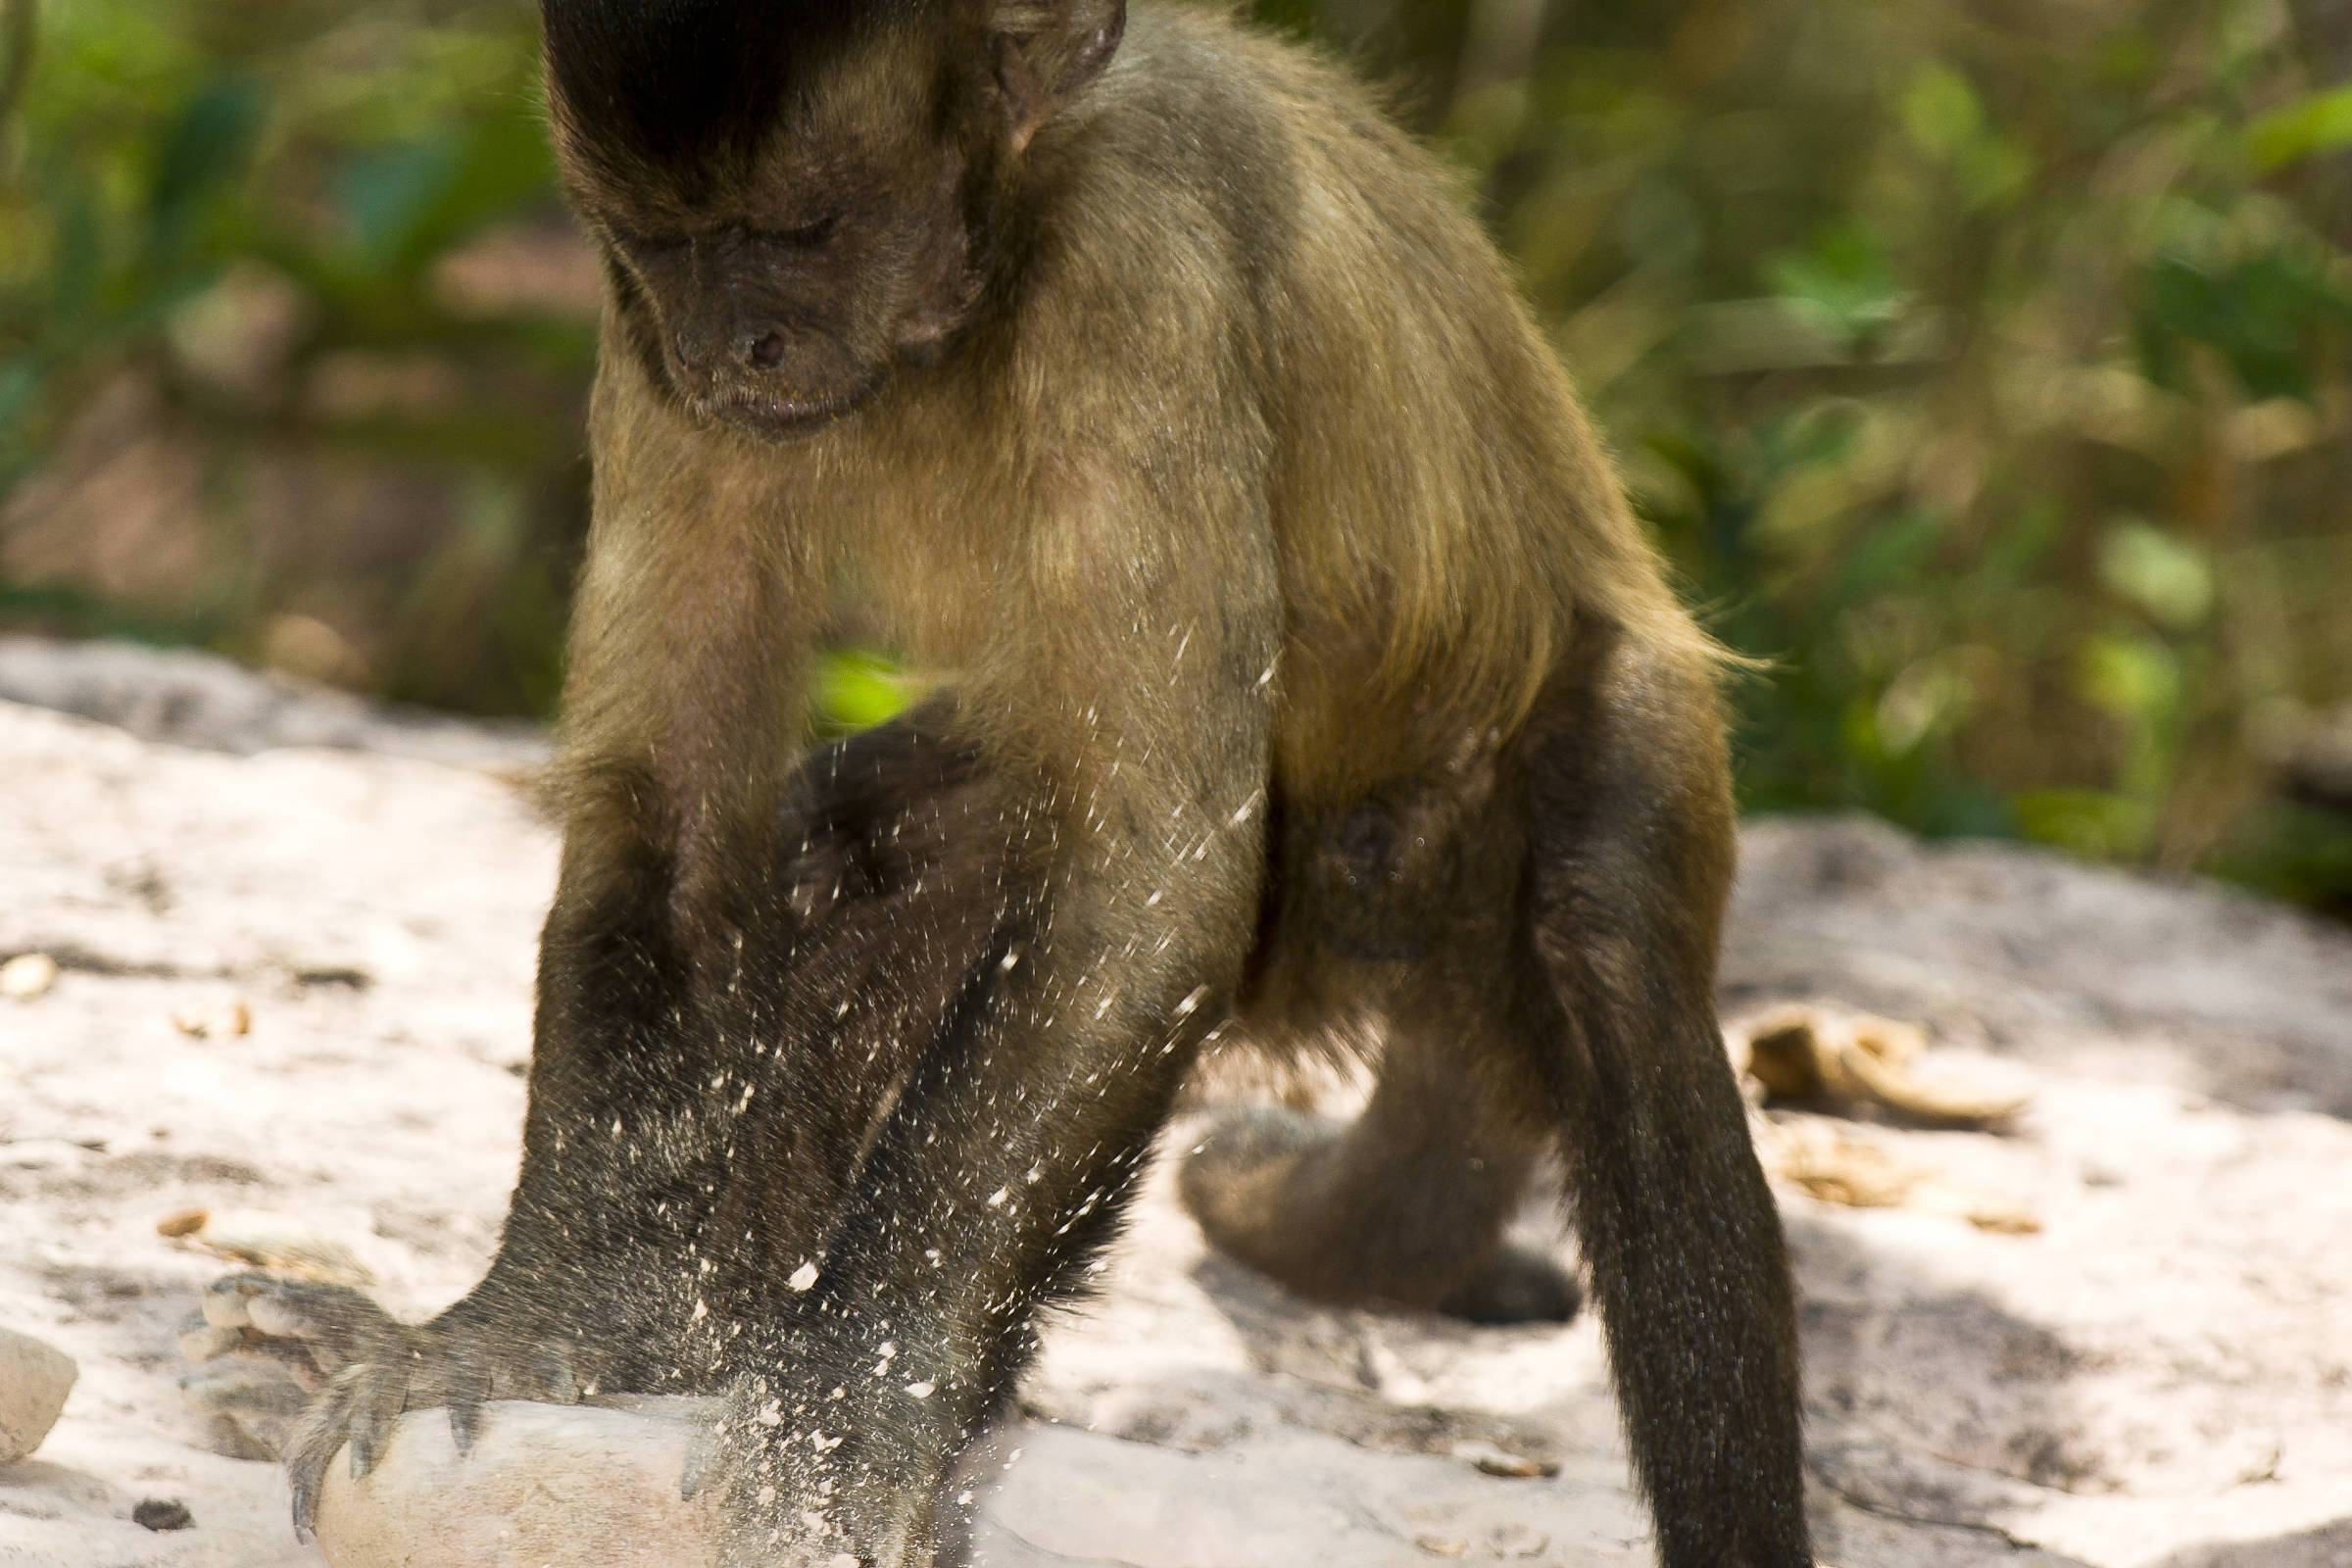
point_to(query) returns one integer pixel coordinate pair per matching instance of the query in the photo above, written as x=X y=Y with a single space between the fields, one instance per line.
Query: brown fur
x=1313 y=678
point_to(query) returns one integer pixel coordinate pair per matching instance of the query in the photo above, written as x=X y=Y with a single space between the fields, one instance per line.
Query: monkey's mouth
x=777 y=417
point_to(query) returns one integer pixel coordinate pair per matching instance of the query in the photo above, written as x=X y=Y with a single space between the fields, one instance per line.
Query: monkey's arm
x=682 y=720
x=684 y=717
x=1136 y=774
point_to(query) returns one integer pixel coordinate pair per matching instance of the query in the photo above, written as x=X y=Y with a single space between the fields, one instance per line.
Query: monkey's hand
x=366 y=1367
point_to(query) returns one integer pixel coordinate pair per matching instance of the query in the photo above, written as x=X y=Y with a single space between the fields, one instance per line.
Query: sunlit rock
x=545 y=1487
x=35 y=1380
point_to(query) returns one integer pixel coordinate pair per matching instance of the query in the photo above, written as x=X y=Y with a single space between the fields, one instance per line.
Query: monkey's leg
x=1630 y=860
x=1406 y=1207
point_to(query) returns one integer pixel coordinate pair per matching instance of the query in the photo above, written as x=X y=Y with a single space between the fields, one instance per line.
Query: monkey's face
x=787 y=302
x=774 y=269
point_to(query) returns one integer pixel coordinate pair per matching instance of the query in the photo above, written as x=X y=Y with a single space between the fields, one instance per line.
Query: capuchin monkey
x=1312 y=673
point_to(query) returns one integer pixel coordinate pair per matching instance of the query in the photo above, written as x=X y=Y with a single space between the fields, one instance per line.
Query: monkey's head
x=796 y=197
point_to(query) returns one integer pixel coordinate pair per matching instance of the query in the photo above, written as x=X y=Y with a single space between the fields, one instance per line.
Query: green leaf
x=858 y=689
x=2169 y=578
x=2135 y=678
x=1941 y=109
x=200 y=154
x=2313 y=126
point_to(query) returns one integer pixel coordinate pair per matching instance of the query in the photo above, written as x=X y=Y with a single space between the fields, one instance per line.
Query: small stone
x=1441 y=1546
x=26 y=975
x=35 y=1380
x=181 y=1222
x=162 y=1513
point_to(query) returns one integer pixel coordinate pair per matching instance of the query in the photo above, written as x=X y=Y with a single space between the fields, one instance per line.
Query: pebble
x=34 y=1379
x=28 y=975
x=162 y=1513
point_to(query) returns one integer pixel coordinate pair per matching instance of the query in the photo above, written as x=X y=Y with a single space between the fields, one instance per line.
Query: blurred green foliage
x=1983 y=365
x=224 y=240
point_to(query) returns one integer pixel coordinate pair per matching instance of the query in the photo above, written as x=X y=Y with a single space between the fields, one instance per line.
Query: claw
x=306 y=1510
x=371 y=1423
x=703 y=1462
x=323 y=1428
x=469 y=1387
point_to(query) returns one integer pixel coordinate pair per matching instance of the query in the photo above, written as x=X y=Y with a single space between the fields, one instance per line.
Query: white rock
x=34 y=1379
x=545 y=1487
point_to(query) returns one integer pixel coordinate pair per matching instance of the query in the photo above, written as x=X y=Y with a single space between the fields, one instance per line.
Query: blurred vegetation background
x=1985 y=365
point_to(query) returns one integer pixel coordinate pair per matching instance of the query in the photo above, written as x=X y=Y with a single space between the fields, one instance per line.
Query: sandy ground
x=2162 y=1374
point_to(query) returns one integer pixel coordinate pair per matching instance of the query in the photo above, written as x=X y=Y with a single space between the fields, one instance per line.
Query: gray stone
x=35 y=1380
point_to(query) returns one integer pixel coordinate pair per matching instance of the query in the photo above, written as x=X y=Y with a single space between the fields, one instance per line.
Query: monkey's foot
x=1269 y=1190
x=1515 y=1285
x=368 y=1367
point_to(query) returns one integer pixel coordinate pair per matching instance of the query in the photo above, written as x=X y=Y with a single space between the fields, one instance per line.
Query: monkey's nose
x=766 y=353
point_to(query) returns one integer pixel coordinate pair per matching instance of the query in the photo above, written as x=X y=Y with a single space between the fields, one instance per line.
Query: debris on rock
x=214 y=1020
x=28 y=975
x=34 y=1379
x=265 y=1242
x=1500 y=1462
x=1838 y=1167
x=1806 y=1053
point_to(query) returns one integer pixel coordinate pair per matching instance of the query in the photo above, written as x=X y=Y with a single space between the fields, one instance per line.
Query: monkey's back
x=1442 y=514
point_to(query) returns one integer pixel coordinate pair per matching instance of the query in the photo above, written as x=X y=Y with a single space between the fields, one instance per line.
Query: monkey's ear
x=1046 y=52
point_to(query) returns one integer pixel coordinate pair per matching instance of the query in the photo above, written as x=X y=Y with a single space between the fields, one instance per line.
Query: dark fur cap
x=673 y=81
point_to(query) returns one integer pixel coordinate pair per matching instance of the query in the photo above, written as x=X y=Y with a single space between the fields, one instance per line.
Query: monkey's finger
x=372 y=1413
x=310 y=1365
x=203 y=1339
x=225 y=1302
x=300 y=1310
x=324 y=1430
x=304 y=1485
x=555 y=1375
x=705 y=1460
x=469 y=1387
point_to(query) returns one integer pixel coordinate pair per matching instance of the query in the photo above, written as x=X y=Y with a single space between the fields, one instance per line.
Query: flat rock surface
x=2161 y=1374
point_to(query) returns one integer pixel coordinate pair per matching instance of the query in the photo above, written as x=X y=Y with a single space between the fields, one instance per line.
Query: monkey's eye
x=802 y=236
